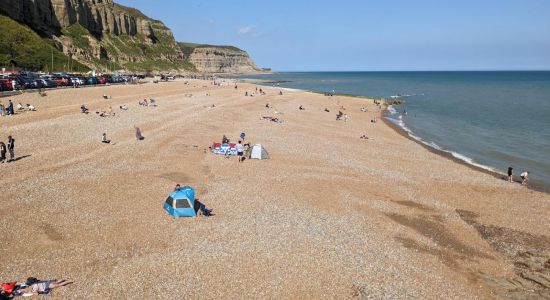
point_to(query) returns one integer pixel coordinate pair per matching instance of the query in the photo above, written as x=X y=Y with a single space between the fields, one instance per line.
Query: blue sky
x=353 y=35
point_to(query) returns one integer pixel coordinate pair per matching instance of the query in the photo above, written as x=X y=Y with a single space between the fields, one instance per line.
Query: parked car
x=77 y=81
x=38 y=84
x=92 y=80
x=49 y=84
x=101 y=80
x=116 y=79
x=24 y=83
x=61 y=80
x=6 y=85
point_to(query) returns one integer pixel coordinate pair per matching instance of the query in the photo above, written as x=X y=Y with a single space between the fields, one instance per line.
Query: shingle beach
x=328 y=216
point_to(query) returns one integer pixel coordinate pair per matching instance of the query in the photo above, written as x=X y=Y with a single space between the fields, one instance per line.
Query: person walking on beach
x=11 y=146
x=510 y=174
x=240 y=151
x=524 y=177
x=3 y=151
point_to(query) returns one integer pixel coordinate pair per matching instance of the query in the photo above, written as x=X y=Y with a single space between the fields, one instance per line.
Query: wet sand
x=330 y=215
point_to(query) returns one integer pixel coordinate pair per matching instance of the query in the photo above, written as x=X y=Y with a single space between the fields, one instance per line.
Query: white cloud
x=245 y=30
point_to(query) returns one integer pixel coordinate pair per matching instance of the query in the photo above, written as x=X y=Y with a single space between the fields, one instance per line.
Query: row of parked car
x=28 y=80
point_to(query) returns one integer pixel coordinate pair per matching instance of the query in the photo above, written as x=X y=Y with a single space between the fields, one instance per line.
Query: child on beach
x=524 y=177
x=240 y=151
x=510 y=174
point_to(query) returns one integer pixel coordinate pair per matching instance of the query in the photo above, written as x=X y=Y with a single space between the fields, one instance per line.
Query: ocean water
x=489 y=119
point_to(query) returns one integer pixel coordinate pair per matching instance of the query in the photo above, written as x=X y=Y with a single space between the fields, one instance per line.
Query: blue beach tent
x=181 y=203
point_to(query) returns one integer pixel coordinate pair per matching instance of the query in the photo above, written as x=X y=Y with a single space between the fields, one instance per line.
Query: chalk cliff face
x=222 y=60
x=98 y=16
x=103 y=34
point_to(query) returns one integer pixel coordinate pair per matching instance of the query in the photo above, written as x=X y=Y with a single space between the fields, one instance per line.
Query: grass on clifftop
x=21 y=47
x=188 y=48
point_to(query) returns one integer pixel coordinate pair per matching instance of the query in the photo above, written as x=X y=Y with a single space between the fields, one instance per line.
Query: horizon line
x=359 y=71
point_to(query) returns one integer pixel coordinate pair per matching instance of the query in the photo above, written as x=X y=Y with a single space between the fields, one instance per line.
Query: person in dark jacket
x=10 y=108
x=11 y=146
x=3 y=151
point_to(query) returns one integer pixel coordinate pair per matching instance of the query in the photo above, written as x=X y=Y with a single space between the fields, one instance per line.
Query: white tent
x=258 y=152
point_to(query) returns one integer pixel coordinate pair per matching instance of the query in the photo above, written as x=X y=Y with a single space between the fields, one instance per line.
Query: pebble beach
x=328 y=216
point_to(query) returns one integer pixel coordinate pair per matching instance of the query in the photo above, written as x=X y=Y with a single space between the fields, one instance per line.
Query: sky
x=355 y=35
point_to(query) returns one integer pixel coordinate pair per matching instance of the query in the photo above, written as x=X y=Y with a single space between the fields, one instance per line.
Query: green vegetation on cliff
x=188 y=48
x=21 y=47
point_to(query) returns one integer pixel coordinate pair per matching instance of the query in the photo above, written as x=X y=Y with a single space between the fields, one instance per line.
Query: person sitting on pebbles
x=31 y=107
x=104 y=139
x=139 y=137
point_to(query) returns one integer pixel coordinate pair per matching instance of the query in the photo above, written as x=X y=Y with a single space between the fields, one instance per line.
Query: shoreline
x=404 y=133
x=451 y=157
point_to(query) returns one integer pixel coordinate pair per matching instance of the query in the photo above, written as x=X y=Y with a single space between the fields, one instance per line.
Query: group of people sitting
x=28 y=107
x=106 y=113
x=10 y=110
x=341 y=116
x=273 y=119
x=32 y=287
x=152 y=102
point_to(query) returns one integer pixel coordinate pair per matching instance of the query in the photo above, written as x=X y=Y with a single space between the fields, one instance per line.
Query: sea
x=492 y=120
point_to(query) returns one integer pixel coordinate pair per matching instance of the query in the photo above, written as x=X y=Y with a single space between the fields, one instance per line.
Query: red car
x=6 y=85
x=101 y=80
x=60 y=81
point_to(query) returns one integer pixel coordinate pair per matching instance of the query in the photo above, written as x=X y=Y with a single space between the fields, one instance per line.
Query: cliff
x=218 y=59
x=105 y=35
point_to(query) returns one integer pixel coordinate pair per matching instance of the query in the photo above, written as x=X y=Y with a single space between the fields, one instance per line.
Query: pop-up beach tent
x=258 y=152
x=181 y=203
